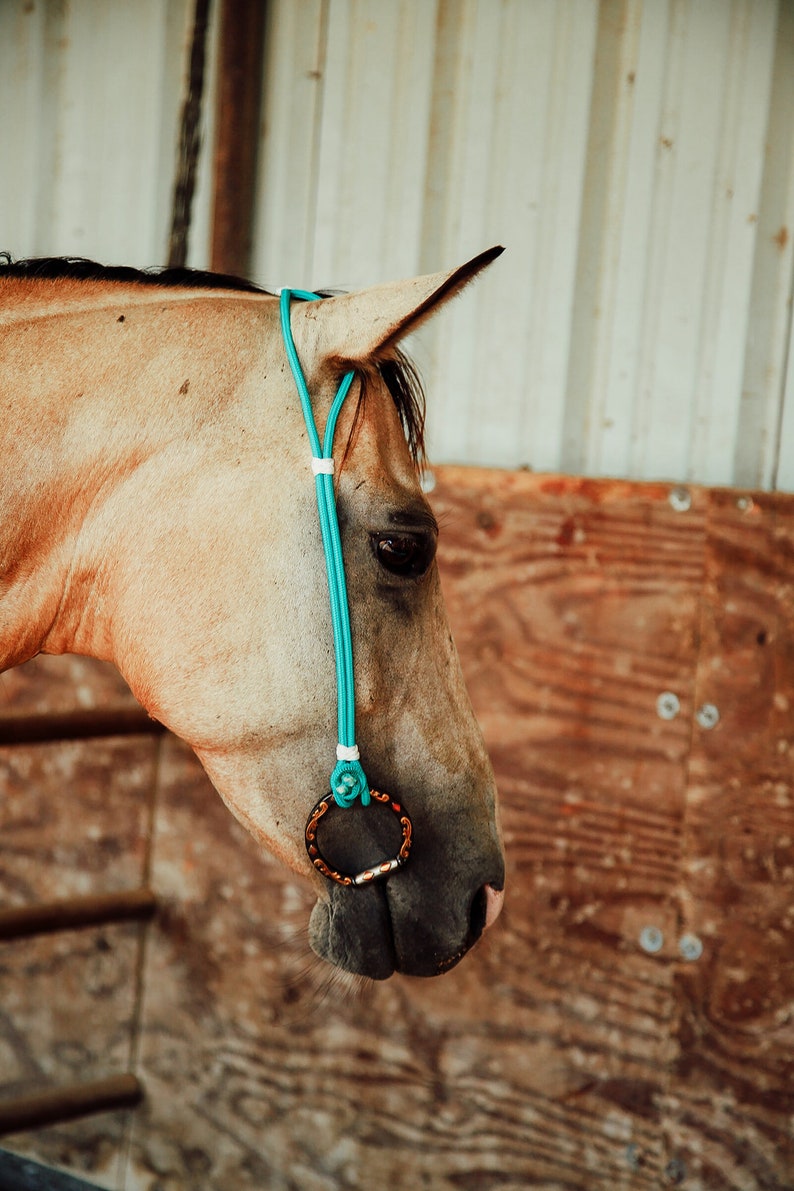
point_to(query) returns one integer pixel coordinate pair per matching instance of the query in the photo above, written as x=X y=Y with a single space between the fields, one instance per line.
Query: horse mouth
x=369 y=933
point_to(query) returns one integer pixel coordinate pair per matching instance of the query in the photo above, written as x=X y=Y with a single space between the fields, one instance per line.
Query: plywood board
x=74 y=820
x=563 y=1053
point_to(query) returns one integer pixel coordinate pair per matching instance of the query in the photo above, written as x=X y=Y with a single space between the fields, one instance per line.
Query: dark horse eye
x=406 y=555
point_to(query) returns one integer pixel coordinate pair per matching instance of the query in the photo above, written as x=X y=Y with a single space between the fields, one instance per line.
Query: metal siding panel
x=732 y=233
x=375 y=119
x=521 y=79
x=26 y=125
x=615 y=237
x=682 y=206
x=758 y=445
x=294 y=81
x=94 y=101
x=674 y=173
x=105 y=191
x=785 y=462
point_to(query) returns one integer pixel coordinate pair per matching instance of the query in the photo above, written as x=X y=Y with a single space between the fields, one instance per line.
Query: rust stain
x=567 y=532
x=666 y=142
x=782 y=238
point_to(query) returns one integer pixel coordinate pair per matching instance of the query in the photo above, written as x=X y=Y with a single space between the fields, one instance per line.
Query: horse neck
x=99 y=385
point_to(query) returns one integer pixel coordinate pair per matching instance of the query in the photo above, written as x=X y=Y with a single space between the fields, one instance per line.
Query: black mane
x=398 y=372
x=77 y=268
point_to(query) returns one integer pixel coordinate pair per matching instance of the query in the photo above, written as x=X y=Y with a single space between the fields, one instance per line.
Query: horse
x=158 y=513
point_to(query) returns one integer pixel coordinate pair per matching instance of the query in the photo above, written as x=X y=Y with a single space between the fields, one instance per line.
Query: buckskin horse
x=159 y=512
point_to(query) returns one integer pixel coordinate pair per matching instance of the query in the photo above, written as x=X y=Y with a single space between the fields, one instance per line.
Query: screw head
x=651 y=939
x=708 y=716
x=634 y=1156
x=690 y=947
x=680 y=499
x=668 y=705
x=675 y=1172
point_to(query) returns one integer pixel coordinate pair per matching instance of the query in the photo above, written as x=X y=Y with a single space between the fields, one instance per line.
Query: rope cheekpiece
x=348 y=780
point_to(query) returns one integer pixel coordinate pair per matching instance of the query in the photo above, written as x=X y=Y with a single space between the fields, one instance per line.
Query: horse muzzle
x=385 y=928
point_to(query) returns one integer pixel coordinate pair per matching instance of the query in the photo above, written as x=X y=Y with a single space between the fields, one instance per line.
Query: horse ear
x=354 y=328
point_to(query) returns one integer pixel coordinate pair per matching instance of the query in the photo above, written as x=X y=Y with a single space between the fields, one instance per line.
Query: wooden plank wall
x=564 y=1053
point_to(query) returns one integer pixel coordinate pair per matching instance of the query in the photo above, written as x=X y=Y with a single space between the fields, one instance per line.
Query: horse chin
x=355 y=936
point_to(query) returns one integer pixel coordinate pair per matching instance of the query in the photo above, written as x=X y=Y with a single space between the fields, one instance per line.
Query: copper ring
x=376 y=872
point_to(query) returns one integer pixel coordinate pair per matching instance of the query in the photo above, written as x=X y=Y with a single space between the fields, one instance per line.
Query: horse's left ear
x=354 y=328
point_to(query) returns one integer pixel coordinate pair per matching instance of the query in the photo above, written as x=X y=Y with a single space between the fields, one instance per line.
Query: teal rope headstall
x=348 y=781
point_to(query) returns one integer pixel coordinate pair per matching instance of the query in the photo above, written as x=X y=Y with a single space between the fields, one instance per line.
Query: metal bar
x=78 y=725
x=241 y=57
x=20 y=922
x=189 y=139
x=67 y=1103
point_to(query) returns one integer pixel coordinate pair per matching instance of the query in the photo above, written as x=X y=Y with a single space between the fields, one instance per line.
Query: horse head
x=195 y=563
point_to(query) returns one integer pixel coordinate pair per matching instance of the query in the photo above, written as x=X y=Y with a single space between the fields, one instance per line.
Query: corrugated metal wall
x=90 y=93
x=637 y=159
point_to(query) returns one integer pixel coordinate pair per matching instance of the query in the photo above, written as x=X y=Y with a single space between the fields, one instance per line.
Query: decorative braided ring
x=375 y=872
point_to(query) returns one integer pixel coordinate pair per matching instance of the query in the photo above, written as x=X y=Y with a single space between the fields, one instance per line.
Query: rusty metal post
x=239 y=89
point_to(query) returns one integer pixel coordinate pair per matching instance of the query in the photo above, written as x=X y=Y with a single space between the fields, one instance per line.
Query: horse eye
x=404 y=554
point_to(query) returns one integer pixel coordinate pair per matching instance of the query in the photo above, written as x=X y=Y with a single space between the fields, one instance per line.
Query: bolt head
x=634 y=1156
x=680 y=499
x=651 y=939
x=675 y=1172
x=708 y=716
x=668 y=705
x=690 y=948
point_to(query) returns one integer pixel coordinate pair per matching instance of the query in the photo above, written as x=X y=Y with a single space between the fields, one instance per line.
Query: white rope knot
x=343 y=753
x=322 y=467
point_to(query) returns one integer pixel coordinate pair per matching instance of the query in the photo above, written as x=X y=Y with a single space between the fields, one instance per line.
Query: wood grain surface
x=562 y=1054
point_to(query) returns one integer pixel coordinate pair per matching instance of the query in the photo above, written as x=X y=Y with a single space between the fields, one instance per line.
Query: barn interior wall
x=636 y=158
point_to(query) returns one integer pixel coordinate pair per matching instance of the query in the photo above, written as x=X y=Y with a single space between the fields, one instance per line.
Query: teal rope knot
x=348 y=780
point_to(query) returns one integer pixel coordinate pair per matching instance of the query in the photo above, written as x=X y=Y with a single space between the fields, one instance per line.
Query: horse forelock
x=404 y=385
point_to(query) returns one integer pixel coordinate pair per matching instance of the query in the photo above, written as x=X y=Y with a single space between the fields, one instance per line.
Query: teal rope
x=348 y=780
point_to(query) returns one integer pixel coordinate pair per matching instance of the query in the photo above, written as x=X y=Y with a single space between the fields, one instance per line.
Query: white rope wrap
x=347 y=754
x=322 y=467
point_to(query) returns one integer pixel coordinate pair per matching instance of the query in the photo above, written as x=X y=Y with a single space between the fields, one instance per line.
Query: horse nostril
x=485 y=909
x=478 y=914
x=494 y=900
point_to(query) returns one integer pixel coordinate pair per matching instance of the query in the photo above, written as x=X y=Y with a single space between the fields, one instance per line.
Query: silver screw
x=634 y=1156
x=680 y=499
x=427 y=481
x=744 y=504
x=668 y=705
x=651 y=939
x=690 y=947
x=708 y=716
x=675 y=1172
